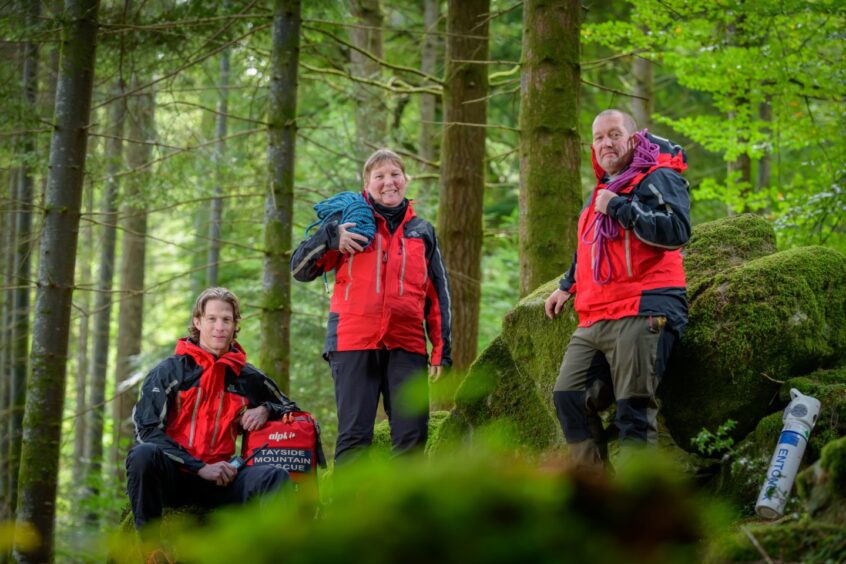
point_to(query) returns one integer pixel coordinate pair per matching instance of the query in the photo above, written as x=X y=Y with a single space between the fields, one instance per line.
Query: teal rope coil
x=353 y=208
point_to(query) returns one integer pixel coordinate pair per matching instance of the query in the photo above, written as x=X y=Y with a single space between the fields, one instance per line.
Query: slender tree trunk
x=46 y=390
x=219 y=167
x=141 y=114
x=644 y=82
x=83 y=304
x=371 y=114
x=279 y=207
x=463 y=169
x=23 y=251
x=427 y=191
x=550 y=187
x=103 y=300
x=6 y=364
x=765 y=163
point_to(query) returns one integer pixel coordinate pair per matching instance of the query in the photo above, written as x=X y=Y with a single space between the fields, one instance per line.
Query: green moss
x=803 y=541
x=720 y=245
x=776 y=317
x=495 y=389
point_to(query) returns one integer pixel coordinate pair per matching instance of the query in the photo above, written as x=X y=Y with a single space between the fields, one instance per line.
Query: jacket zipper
x=217 y=420
x=349 y=275
x=194 y=417
x=379 y=265
x=402 y=271
x=628 y=254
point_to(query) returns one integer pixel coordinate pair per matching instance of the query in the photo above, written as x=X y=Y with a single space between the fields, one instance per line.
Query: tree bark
x=463 y=169
x=550 y=186
x=141 y=116
x=642 y=109
x=279 y=206
x=6 y=359
x=427 y=191
x=83 y=305
x=46 y=391
x=765 y=112
x=103 y=299
x=23 y=248
x=219 y=167
x=371 y=114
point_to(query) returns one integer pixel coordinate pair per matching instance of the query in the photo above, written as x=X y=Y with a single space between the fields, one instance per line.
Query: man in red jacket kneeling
x=193 y=405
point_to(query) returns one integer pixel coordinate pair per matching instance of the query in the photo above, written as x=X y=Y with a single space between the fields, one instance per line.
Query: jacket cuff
x=614 y=206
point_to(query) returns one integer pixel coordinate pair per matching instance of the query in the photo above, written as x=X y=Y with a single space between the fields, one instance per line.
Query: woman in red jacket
x=390 y=294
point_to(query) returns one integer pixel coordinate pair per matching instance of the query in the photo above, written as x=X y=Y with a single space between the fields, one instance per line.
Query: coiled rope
x=353 y=208
x=603 y=227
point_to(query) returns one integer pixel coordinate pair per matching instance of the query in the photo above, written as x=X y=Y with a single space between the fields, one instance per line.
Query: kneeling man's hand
x=255 y=418
x=221 y=473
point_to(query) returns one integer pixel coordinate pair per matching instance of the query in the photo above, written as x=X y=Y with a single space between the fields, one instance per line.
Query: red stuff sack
x=293 y=446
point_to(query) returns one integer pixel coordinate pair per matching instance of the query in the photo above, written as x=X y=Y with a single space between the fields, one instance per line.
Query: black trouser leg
x=358 y=382
x=151 y=482
x=409 y=416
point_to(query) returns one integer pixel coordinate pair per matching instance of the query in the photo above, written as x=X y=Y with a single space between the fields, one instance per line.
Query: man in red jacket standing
x=629 y=286
x=193 y=405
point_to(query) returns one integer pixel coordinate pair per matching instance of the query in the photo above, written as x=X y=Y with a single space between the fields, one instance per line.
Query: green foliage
x=719 y=443
x=489 y=506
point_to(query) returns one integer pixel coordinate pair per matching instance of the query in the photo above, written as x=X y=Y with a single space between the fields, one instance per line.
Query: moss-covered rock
x=724 y=244
x=770 y=319
x=800 y=541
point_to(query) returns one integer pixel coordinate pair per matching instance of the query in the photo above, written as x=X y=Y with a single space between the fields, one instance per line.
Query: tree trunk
x=463 y=169
x=642 y=108
x=279 y=207
x=765 y=110
x=103 y=299
x=23 y=247
x=141 y=114
x=371 y=114
x=427 y=189
x=550 y=186
x=83 y=305
x=6 y=359
x=46 y=390
x=219 y=167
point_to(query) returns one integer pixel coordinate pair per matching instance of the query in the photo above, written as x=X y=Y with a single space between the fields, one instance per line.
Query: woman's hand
x=350 y=243
x=435 y=372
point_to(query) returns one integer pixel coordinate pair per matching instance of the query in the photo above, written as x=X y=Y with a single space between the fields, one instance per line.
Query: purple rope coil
x=603 y=227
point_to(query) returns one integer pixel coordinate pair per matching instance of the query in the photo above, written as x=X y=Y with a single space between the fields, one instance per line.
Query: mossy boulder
x=772 y=318
x=799 y=541
x=757 y=317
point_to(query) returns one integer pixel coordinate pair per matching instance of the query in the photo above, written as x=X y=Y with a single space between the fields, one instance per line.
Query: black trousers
x=360 y=378
x=154 y=481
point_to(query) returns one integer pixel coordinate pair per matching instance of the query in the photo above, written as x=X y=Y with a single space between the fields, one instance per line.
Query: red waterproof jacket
x=390 y=296
x=191 y=402
x=653 y=211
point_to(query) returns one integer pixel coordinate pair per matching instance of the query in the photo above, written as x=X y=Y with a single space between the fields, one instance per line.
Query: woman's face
x=386 y=184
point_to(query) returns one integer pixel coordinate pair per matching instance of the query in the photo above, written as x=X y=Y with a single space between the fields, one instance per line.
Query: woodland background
x=188 y=149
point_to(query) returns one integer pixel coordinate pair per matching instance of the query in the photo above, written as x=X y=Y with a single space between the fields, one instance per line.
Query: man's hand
x=348 y=242
x=435 y=372
x=602 y=198
x=221 y=473
x=556 y=301
x=255 y=418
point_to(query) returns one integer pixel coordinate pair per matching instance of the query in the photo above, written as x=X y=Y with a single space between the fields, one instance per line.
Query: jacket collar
x=235 y=358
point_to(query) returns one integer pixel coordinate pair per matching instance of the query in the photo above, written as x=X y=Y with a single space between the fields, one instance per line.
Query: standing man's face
x=216 y=327
x=612 y=143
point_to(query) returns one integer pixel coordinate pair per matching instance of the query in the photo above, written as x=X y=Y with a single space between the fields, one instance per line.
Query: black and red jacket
x=191 y=403
x=392 y=295
x=647 y=274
